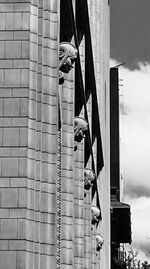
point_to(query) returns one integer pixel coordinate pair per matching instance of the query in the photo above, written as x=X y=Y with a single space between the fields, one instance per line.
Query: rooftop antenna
x=118 y=65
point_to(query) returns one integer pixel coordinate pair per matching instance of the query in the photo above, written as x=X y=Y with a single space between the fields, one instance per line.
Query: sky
x=130 y=43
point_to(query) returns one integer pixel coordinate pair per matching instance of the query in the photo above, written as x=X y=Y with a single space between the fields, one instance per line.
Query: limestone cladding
x=28 y=132
x=45 y=217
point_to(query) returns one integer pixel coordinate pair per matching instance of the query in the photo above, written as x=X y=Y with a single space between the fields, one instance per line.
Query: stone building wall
x=28 y=97
x=45 y=219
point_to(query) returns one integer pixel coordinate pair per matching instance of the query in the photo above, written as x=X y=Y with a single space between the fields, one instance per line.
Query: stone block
x=10 y=167
x=49 y=172
x=11 y=107
x=67 y=162
x=34 y=9
x=25 y=49
x=1 y=107
x=9 y=229
x=79 y=231
x=13 y=21
x=5 y=152
x=49 y=143
x=23 y=137
x=13 y=49
x=19 y=122
x=66 y=255
x=17 y=213
x=22 y=64
x=22 y=7
x=4 y=182
x=17 y=245
x=29 y=259
x=2 y=46
x=2 y=21
x=1 y=78
x=34 y=23
x=11 y=137
x=3 y=245
x=12 y=77
x=30 y=199
x=53 y=6
x=4 y=213
x=67 y=185
x=47 y=232
x=68 y=139
x=22 y=197
x=48 y=158
x=78 y=211
x=22 y=167
x=8 y=259
x=49 y=114
x=1 y=136
x=67 y=95
x=67 y=232
x=67 y=208
x=33 y=51
x=21 y=260
x=50 y=29
x=49 y=57
x=20 y=92
x=33 y=81
x=48 y=261
x=49 y=218
x=31 y=168
x=48 y=202
x=29 y=230
x=67 y=266
x=21 y=35
x=24 y=106
x=6 y=35
x=9 y=197
x=79 y=249
x=24 y=77
x=5 y=63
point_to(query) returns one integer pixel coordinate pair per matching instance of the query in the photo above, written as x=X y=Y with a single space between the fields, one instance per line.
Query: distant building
x=120 y=212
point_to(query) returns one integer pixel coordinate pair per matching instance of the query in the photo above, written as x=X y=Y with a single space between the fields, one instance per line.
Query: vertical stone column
x=14 y=84
x=67 y=131
x=50 y=47
x=100 y=41
x=87 y=231
x=78 y=208
x=28 y=133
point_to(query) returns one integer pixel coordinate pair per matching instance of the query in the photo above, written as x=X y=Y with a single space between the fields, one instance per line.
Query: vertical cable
x=59 y=203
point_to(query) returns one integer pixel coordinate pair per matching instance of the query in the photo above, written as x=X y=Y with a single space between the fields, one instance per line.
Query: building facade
x=54 y=133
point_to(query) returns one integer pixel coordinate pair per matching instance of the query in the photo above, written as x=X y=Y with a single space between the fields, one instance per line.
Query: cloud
x=135 y=127
x=140 y=218
x=135 y=151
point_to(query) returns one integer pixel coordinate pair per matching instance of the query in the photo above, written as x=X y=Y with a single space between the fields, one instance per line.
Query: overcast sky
x=130 y=43
x=129 y=29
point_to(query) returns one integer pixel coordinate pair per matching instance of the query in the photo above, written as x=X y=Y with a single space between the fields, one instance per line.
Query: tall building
x=120 y=212
x=54 y=134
